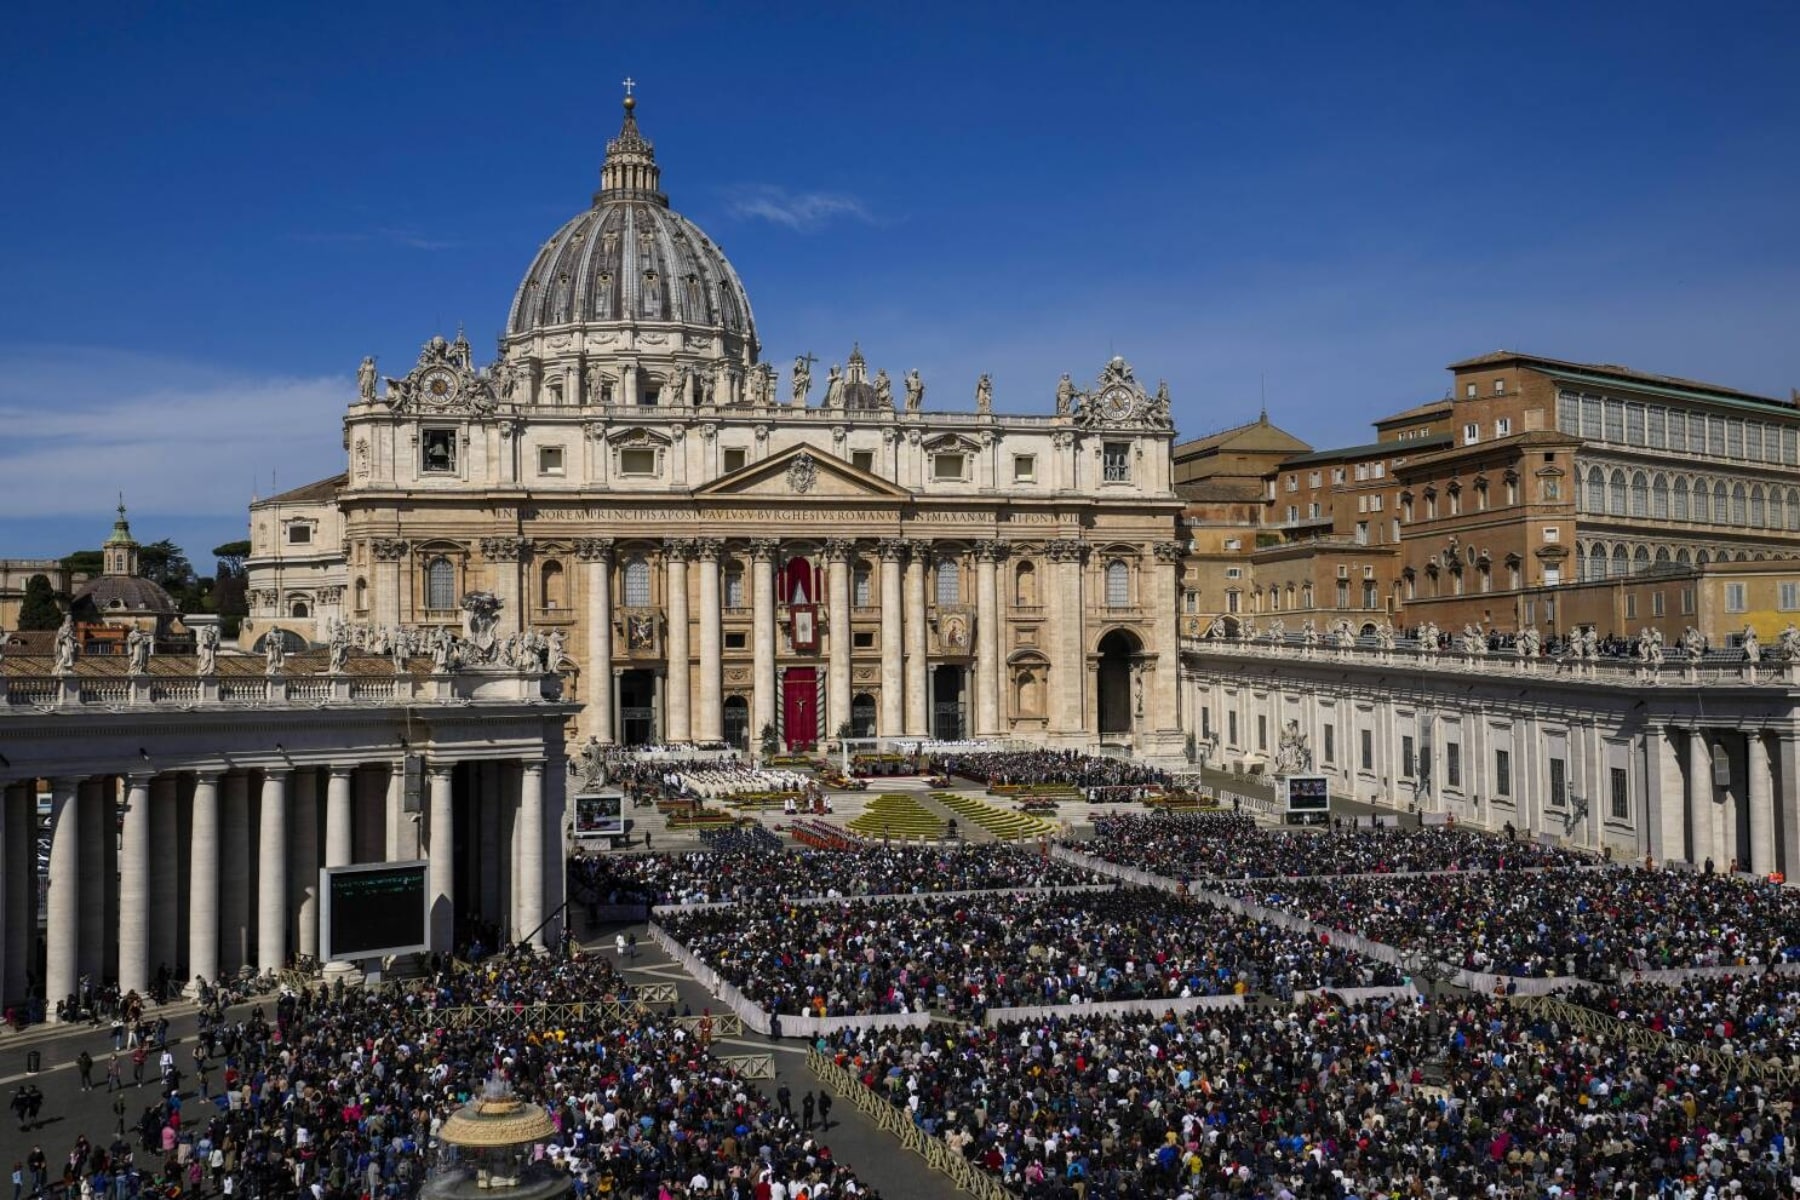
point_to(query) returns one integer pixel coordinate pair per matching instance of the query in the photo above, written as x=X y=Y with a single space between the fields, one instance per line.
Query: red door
x=800 y=707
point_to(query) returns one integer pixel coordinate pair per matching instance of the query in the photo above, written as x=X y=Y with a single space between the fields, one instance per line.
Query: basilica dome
x=630 y=261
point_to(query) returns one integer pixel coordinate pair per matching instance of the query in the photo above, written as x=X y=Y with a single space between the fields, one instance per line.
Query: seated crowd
x=343 y=1093
x=1332 y=1100
x=1227 y=846
x=1027 y=767
x=1754 y=1014
x=706 y=877
x=967 y=955
x=1558 y=922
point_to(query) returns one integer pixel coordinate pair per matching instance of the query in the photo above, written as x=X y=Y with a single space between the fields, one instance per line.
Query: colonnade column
x=675 y=556
x=531 y=854
x=893 y=687
x=272 y=872
x=987 y=638
x=203 y=879
x=303 y=878
x=1762 y=805
x=918 y=715
x=1788 y=793
x=440 y=873
x=234 y=873
x=1670 y=829
x=1700 y=796
x=762 y=571
x=597 y=679
x=710 y=727
x=837 y=616
x=62 y=926
x=96 y=879
x=134 y=888
x=20 y=829
x=165 y=873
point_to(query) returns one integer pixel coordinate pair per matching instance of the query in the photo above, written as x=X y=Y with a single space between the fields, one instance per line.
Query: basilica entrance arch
x=737 y=722
x=1112 y=692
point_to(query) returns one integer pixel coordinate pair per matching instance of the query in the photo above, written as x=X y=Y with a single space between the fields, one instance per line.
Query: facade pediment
x=804 y=471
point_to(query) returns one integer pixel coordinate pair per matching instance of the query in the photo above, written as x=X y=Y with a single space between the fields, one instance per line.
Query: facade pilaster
x=918 y=712
x=987 y=639
x=134 y=888
x=1164 y=603
x=440 y=876
x=505 y=557
x=203 y=879
x=838 y=622
x=1762 y=805
x=62 y=929
x=530 y=915
x=271 y=871
x=596 y=555
x=1069 y=666
x=710 y=720
x=762 y=637
x=390 y=555
x=893 y=712
x=676 y=552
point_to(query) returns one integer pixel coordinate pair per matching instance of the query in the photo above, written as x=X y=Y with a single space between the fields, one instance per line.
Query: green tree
x=39 y=610
x=231 y=556
x=85 y=562
x=166 y=563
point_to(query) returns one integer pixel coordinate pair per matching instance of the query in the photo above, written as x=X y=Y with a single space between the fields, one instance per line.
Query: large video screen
x=374 y=910
x=599 y=814
x=1308 y=793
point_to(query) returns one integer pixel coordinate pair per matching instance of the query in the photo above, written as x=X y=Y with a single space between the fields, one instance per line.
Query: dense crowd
x=1589 y=923
x=1326 y=1100
x=967 y=955
x=1014 y=768
x=1224 y=845
x=342 y=1093
x=1754 y=1014
x=711 y=876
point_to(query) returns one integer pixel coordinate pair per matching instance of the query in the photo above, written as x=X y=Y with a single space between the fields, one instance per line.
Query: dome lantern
x=629 y=170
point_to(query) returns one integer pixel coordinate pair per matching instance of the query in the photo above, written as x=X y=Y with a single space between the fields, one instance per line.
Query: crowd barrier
x=1670 y=976
x=896 y=897
x=1359 y=995
x=1107 y=1008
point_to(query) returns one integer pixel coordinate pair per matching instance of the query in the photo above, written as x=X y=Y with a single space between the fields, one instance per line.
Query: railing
x=749 y=1066
x=75 y=689
x=1645 y=1038
x=532 y=1016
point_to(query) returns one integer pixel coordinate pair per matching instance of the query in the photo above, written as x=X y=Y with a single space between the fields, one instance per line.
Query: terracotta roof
x=1611 y=370
x=1429 y=409
x=323 y=489
x=1257 y=434
x=1405 y=449
x=1223 y=488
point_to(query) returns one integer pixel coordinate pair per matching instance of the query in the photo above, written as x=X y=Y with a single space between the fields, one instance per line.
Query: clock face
x=437 y=387
x=1116 y=404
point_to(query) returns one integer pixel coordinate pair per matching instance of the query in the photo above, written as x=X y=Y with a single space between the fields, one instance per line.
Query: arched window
x=1640 y=495
x=440 y=585
x=1306 y=596
x=1615 y=496
x=1702 y=501
x=1740 y=510
x=949 y=582
x=1025 y=588
x=1596 y=491
x=1721 y=503
x=361 y=594
x=299 y=608
x=1662 y=556
x=552 y=585
x=1640 y=560
x=1274 y=598
x=1793 y=510
x=1682 y=558
x=637 y=582
x=862 y=586
x=734 y=586
x=1620 y=563
x=1680 y=510
x=1118 y=584
x=1659 y=497
x=1759 y=512
x=1701 y=558
x=1289 y=598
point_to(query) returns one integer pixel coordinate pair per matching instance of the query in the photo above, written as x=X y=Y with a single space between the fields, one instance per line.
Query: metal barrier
x=724 y=1024
x=516 y=1016
x=655 y=993
x=749 y=1066
x=1643 y=1037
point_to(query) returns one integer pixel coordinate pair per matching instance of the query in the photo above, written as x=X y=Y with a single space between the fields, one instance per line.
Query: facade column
x=1762 y=805
x=1069 y=658
x=271 y=871
x=762 y=637
x=62 y=929
x=388 y=554
x=1700 y=798
x=505 y=556
x=892 y=642
x=531 y=855
x=203 y=879
x=165 y=874
x=234 y=874
x=1668 y=826
x=490 y=789
x=837 y=618
x=918 y=711
x=97 y=819
x=134 y=888
x=1162 y=704
x=597 y=678
x=303 y=878
x=404 y=842
x=679 y=700
x=340 y=816
x=440 y=886
x=987 y=639
x=20 y=830
x=1788 y=791
x=710 y=725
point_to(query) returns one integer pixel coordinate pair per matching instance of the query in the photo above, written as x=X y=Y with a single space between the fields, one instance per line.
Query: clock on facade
x=1116 y=404
x=437 y=386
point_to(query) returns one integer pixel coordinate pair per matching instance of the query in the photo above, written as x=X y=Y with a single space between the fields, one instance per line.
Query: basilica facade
x=716 y=551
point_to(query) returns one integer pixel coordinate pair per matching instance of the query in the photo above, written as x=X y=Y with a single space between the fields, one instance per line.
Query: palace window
x=637 y=582
x=1118 y=584
x=552 y=586
x=1452 y=764
x=437 y=451
x=863 y=460
x=734 y=587
x=1503 y=772
x=1368 y=750
x=1559 y=783
x=1329 y=748
x=1407 y=748
x=1621 y=794
x=637 y=462
x=948 y=468
x=1115 y=462
x=550 y=460
x=949 y=582
x=860 y=588
x=733 y=459
x=1024 y=468
x=299 y=534
x=440 y=585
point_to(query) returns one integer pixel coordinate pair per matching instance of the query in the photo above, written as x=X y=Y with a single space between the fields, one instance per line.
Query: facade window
x=948 y=468
x=732 y=459
x=863 y=639
x=1262 y=732
x=552 y=586
x=1615 y=421
x=1740 y=514
x=1231 y=730
x=440 y=585
x=1343 y=594
x=736 y=641
x=1471 y=433
x=949 y=582
x=1371 y=595
x=1503 y=427
x=1679 y=507
x=1631 y=606
x=637 y=582
x=1559 y=783
x=1790 y=597
x=1024 y=468
x=1640 y=495
x=1025 y=589
x=1115 y=462
x=1734 y=598
x=1621 y=794
x=1407 y=749
x=863 y=460
x=1657 y=605
x=1313 y=480
x=861 y=587
x=1687 y=602
x=1330 y=745
x=298 y=609
x=1503 y=772
x=1453 y=764
x=299 y=534
x=361 y=593
x=1118 y=584
x=437 y=451
x=1368 y=749
x=637 y=462
x=1596 y=492
x=1499 y=387
x=1615 y=495
x=734 y=588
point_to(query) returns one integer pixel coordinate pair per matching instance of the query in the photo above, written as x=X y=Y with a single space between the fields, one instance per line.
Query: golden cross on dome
x=629 y=84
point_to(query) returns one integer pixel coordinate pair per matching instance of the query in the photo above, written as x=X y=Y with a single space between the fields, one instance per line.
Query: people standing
x=807 y=1105
x=824 y=1110
x=84 y=1064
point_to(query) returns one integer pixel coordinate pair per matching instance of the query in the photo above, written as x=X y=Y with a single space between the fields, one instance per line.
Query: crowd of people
x=340 y=1093
x=1588 y=923
x=714 y=876
x=1755 y=1013
x=1469 y=1098
x=966 y=955
x=1187 y=847
x=1024 y=768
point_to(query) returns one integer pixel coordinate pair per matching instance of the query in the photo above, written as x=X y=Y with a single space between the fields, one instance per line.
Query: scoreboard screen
x=373 y=910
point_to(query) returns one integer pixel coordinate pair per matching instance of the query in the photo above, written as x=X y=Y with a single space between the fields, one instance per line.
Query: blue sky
x=212 y=212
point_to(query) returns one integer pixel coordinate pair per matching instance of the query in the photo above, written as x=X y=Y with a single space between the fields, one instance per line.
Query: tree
x=85 y=562
x=231 y=557
x=39 y=610
x=166 y=563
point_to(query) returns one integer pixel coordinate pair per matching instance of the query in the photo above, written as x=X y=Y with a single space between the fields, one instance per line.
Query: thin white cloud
x=411 y=239
x=799 y=211
x=77 y=424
